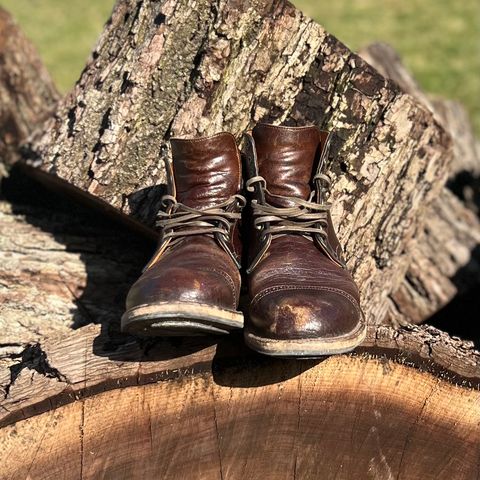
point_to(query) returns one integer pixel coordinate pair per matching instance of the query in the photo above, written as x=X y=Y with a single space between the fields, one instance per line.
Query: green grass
x=439 y=40
x=64 y=32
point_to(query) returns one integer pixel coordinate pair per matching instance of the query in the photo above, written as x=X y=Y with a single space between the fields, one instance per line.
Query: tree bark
x=176 y=68
x=451 y=114
x=27 y=93
x=80 y=400
x=445 y=260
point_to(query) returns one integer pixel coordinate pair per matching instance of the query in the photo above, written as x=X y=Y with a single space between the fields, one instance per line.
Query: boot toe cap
x=208 y=287
x=305 y=313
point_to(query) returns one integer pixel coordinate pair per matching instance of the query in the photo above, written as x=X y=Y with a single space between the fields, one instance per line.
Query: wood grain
x=344 y=417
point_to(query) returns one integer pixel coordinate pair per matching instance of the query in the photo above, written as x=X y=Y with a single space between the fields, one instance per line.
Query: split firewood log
x=445 y=260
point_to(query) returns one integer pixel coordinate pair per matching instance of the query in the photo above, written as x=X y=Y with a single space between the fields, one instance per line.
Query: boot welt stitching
x=270 y=290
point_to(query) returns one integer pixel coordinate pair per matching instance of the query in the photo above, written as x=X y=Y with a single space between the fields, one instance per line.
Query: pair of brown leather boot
x=301 y=299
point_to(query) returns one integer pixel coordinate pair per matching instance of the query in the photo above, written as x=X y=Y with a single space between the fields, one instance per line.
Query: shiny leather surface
x=196 y=270
x=205 y=172
x=297 y=291
x=286 y=159
x=207 y=169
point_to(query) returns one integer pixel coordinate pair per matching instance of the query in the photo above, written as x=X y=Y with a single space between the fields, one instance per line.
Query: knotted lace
x=179 y=220
x=303 y=217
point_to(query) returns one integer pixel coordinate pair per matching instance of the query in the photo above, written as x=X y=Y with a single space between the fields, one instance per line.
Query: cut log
x=445 y=261
x=27 y=93
x=164 y=68
x=80 y=400
x=234 y=417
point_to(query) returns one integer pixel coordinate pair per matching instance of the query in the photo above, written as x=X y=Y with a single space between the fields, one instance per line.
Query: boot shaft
x=205 y=171
x=288 y=159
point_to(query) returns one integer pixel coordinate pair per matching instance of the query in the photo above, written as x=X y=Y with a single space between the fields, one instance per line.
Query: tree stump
x=222 y=414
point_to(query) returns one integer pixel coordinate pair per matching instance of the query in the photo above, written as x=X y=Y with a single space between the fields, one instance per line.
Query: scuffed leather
x=204 y=172
x=297 y=291
x=196 y=270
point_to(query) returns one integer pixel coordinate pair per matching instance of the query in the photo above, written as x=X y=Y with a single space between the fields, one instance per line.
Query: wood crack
x=35 y=359
x=298 y=431
x=414 y=425
x=217 y=434
x=82 y=439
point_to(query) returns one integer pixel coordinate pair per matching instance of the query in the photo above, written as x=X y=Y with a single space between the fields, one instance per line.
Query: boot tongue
x=206 y=170
x=286 y=159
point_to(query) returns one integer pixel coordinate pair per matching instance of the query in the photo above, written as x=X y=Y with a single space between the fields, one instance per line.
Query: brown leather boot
x=303 y=301
x=192 y=284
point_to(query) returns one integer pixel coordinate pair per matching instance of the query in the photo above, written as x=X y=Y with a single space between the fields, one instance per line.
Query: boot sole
x=307 y=348
x=179 y=319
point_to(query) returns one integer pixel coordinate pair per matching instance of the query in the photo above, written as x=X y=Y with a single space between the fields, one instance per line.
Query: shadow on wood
x=229 y=414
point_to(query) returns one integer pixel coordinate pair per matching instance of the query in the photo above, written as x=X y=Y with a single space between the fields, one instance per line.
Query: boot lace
x=178 y=220
x=304 y=217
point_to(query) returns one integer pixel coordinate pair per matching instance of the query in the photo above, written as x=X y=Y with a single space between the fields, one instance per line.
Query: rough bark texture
x=451 y=114
x=175 y=67
x=27 y=93
x=445 y=260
